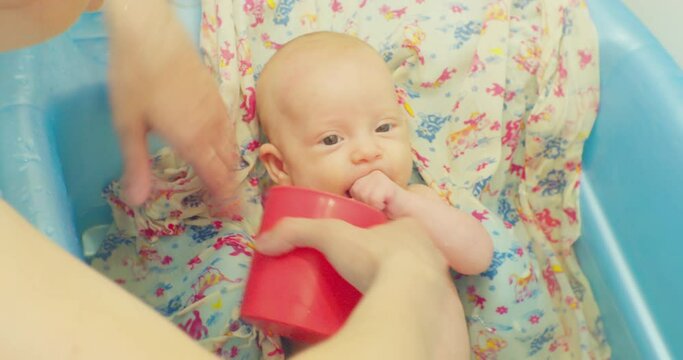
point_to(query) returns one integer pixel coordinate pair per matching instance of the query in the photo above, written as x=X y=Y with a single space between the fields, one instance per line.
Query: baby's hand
x=376 y=190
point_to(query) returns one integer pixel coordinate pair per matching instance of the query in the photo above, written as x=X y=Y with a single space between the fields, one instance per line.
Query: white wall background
x=664 y=18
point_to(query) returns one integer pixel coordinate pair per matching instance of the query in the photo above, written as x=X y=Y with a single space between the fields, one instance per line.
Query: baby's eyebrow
x=315 y=135
x=391 y=114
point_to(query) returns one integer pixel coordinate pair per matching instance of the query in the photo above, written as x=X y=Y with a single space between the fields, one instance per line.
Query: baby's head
x=327 y=104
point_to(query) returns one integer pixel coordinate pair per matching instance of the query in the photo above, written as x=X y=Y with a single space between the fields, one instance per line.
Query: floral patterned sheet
x=501 y=97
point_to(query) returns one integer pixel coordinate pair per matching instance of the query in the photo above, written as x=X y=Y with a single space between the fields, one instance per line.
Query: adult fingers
x=207 y=143
x=348 y=248
x=214 y=172
x=137 y=177
x=223 y=196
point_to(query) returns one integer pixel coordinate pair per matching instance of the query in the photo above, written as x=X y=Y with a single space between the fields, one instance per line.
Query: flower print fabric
x=188 y=266
x=501 y=97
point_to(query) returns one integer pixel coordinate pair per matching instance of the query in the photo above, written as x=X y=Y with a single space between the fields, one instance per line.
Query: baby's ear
x=272 y=159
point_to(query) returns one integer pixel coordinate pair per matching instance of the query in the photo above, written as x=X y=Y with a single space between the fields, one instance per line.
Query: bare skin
x=28 y=22
x=147 y=44
x=84 y=324
x=328 y=106
x=83 y=316
x=410 y=308
x=80 y=314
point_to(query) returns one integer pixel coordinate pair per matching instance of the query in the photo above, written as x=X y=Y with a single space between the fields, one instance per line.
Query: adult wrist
x=407 y=264
x=132 y=16
x=147 y=35
x=143 y=28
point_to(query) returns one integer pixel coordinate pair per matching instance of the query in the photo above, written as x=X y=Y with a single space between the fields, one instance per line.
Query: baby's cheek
x=322 y=179
x=405 y=169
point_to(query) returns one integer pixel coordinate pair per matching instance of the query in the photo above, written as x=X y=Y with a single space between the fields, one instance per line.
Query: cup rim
x=300 y=189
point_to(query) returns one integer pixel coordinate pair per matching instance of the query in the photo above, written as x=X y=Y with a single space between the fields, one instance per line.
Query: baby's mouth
x=347 y=193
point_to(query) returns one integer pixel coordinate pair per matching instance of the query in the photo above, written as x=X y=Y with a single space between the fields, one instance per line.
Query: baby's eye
x=331 y=140
x=384 y=128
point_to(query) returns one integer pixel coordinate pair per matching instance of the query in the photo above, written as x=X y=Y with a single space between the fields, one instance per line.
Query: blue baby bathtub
x=57 y=151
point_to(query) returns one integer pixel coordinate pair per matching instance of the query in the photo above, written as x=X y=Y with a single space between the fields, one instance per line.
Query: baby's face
x=342 y=121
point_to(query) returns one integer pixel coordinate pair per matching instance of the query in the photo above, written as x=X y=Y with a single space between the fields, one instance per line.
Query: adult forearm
x=56 y=307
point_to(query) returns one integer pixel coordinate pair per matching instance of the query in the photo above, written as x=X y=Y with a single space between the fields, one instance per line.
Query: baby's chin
x=339 y=192
x=343 y=193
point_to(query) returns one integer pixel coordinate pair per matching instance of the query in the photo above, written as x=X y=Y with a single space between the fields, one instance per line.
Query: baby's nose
x=366 y=152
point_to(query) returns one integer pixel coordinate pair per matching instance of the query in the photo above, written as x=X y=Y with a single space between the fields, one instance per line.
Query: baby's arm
x=461 y=238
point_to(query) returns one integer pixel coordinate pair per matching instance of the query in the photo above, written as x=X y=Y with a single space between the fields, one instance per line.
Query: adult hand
x=356 y=253
x=410 y=308
x=158 y=83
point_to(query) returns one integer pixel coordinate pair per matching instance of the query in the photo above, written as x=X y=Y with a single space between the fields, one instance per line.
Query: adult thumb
x=345 y=246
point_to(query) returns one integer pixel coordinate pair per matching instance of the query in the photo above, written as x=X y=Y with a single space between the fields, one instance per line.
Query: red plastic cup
x=299 y=294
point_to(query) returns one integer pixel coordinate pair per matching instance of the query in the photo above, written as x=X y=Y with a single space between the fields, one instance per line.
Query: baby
x=327 y=104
